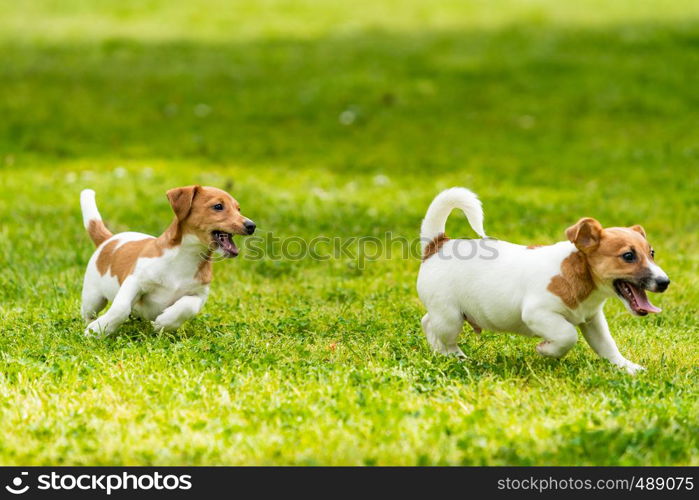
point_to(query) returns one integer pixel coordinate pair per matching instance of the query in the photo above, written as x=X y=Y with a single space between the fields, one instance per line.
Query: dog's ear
x=585 y=235
x=181 y=200
x=639 y=229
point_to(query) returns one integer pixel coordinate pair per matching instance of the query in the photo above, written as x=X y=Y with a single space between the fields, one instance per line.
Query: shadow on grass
x=577 y=445
x=506 y=357
x=374 y=101
x=614 y=446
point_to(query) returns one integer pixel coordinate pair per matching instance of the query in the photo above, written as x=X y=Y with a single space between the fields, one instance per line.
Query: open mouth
x=225 y=243
x=635 y=298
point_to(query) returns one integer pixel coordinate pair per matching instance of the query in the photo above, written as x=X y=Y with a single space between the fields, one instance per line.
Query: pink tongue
x=642 y=300
x=230 y=247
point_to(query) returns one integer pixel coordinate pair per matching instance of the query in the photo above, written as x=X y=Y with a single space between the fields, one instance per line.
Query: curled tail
x=433 y=225
x=92 y=220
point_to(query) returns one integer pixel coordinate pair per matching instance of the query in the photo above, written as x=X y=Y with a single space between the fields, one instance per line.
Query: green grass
x=549 y=111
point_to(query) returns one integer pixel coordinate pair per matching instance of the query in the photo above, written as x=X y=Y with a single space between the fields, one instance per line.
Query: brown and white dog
x=164 y=279
x=544 y=291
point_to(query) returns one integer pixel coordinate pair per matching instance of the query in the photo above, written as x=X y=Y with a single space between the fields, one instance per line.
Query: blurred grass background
x=342 y=119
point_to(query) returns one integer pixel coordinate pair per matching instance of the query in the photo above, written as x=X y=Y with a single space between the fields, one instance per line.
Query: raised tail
x=433 y=225
x=92 y=220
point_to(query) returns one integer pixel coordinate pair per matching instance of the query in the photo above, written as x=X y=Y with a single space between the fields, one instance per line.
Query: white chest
x=585 y=311
x=163 y=282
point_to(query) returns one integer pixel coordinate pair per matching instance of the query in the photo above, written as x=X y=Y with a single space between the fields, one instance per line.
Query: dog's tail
x=92 y=220
x=433 y=225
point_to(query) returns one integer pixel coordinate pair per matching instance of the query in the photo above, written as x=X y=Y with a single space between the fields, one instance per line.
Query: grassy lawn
x=343 y=119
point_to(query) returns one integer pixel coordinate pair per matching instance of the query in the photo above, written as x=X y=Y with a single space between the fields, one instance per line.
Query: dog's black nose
x=249 y=226
x=661 y=284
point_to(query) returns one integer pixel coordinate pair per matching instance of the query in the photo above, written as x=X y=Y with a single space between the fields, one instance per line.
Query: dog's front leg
x=596 y=332
x=119 y=312
x=179 y=312
x=558 y=334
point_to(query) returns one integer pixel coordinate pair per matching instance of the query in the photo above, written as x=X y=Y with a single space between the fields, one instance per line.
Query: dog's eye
x=652 y=253
x=218 y=207
x=629 y=256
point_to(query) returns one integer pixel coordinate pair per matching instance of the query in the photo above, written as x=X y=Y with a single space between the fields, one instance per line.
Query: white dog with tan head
x=542 y=291
x=163 y=279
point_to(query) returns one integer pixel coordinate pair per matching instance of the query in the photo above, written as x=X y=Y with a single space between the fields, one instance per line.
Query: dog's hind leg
x=119 y=312
x=92 y=303
x=442 y=331
x=434 y=343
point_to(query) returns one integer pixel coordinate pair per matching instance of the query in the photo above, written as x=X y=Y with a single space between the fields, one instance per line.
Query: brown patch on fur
x=104 y=259
x=532 y=247
x=204 y=272
x=434 y=246
x=172 y=236
x=98 y=232
x=475 y=327
x=639 y=229
x=120 y=262
x=575 y=283
x=585 y=234
x=125 y=257
x=181 y=200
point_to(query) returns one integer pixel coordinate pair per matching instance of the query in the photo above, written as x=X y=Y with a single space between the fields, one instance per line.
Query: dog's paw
x=160 y=327
x=96 y=329
x=456 y=352
x=163 y=324
x=548 y=349
x=630 y=367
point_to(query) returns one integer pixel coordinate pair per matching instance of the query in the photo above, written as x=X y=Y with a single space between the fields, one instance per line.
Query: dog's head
x=210 y=214
x=622 y=260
